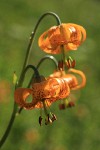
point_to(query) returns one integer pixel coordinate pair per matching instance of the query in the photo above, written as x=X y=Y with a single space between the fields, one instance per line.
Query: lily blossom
x=48 y=91
x=70 y=35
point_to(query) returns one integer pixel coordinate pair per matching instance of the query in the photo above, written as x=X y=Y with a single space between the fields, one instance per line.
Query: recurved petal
x=64 y=89
x=73 y=34
x=83 y=33
x=81 y=75
x=21 y=95
x=71 y=80
x=71 y=46
x=44 y=41
x=78 y=32
x=48 y=41
x=61 y=88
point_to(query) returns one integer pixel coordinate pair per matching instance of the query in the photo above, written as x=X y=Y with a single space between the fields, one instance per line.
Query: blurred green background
x=77 y=128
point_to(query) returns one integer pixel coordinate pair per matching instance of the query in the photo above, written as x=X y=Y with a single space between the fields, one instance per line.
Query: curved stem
x=31 y=67
x=41 y=61
x=7 y=131
x=4 y=137
x=32 y=37
x=48 y=57
x=26 y=69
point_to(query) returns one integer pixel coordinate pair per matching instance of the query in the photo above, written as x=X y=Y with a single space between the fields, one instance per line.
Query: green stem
x=63 y=53
x=4 y=137
x=32 y=37
x=41 y=61
x=48 y=57
x=36 y=73
x=45 y=110
x=7 y=131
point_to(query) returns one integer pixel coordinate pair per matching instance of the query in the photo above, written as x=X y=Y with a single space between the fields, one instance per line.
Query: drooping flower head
x=71 y=36
x=47 y=91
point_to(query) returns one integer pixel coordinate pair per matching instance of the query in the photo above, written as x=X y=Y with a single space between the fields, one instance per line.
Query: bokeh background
x=77 y=128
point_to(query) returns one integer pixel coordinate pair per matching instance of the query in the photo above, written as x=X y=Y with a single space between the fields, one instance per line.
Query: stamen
x=71 y=104
x=48 y=120
x=40 y=120
x=62 y=106
x=53 y=117
x=70 y=63
x=61 y=65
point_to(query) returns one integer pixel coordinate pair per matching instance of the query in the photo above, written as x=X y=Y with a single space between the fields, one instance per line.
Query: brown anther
x=53 y=117
x=40 y=120
x=71 y=104
x=62 y=106
x=60 y=64
x=48 y=120
x=68 y=63
x=73 y=64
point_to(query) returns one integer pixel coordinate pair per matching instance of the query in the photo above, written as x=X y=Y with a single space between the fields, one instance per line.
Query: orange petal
x=41 y=90
x=21 y=95
x=58 y=74
x=79 y=34
x=61 y=89
x=83 y=78
x=71 y=80
x=65 y=89
x=48 y=41
x=73 y=34
x=65 y=32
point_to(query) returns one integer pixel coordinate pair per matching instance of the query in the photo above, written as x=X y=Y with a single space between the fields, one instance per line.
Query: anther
x=53 y=117
x=70 y=104
x=40 y=120
x=62 y=106
x=61 y=65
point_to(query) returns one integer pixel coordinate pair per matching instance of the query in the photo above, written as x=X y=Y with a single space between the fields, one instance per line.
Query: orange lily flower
x=73 y=82
x=47 y=91
x=71 y=36
x=70 y=78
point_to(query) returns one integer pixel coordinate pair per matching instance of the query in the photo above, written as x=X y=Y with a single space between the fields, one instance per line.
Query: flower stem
x=40 y=62
x=7 y=131
x=45 y=110
x=63 y=53
x=50 y=57
x=36 y=73
x=4 y=137
x=32 y=37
